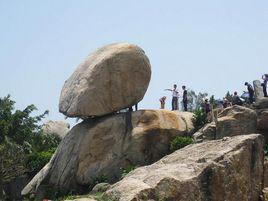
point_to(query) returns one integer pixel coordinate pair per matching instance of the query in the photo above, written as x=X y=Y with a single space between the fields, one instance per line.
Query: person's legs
x=251 y=95
x=265 y=90
x=185 y=105
x=136 y=106
x=176 y=104
x=173 y=103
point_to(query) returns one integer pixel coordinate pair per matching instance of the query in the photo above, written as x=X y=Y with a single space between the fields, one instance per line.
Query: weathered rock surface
x=114 y=77
x=83 y=199
x=59 y=128
x=205 y=171
x=100 y=187
x=265 y=194
x=100 y=147
x=265 y=173
x=263 y=119
x=261 y=103
x=258 y=90
x=235 y=120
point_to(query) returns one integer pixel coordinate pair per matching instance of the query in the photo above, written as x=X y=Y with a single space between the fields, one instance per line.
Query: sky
x=210 y=46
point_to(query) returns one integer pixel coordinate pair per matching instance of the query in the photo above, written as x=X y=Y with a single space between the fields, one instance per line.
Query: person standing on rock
x=264 y=84
x=175 y=95
x=184 y=98
x=162 y=102
x=250 y=92
x=207 y=109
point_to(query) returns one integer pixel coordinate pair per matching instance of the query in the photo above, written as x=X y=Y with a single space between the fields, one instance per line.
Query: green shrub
x=127 y=170
x=266 y=150
x=180 y=142
x=37 y=160
x=200 y=118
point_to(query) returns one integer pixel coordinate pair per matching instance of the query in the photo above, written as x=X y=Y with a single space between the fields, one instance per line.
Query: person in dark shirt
x=184 y=98
x=207 y=109
x=250 y=92
x=264 y=84
x=237 y=100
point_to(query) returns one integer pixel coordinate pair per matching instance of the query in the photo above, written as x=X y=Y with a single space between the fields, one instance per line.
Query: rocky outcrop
x=114 y=77
x=103 y=147
x=265 y=173
x=261 y=103
x=235 y=120
x=205 y=171
x=258 y=90
x=262 y=117
x=58 y=128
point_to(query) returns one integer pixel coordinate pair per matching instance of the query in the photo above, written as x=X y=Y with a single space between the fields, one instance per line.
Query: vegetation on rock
x=180 y=142
x=23 y=147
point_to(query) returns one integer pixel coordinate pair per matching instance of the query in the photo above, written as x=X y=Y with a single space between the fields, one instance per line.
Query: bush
x=200 y=118
x=180 y=142
x=23 y=146
x=37 y=160
x=127 y=170
x=266 y=150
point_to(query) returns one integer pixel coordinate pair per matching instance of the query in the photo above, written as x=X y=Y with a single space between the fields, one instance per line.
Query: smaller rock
x=258 y=89
x=263 y=119
x=261 y=103
x=265 y=194
x=208 y=132
x=101 y=187
x=235 y=120
x=59 y=128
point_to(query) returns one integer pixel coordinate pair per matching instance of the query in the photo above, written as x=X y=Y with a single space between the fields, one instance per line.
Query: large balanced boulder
x=235 y=120
x=228 y=169
x=58 y=128
x=112 y=78
x=103 y=147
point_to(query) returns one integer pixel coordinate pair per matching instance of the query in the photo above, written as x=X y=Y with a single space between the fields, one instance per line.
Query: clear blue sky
x=210 y=46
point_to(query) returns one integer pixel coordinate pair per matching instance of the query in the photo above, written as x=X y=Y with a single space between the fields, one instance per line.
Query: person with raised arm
x=175 y=96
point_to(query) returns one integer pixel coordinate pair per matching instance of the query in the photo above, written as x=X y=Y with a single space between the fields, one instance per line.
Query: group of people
x=236 y=99
x=175 y=98
x=251 y=90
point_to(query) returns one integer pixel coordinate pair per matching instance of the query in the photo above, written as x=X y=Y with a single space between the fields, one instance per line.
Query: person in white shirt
x=175 y=95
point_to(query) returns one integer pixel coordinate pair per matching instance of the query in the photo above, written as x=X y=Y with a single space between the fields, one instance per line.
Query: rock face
x=258 y=90
x=59 y=128
x=261 y=103
x=205 y=171
x=103 y=147
x=235 y=120
x=114 y=77
x=265 y=173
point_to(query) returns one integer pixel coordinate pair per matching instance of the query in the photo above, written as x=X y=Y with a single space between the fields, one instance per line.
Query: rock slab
x=228 y=169
x=103 y=147
x=235 y=120
x=112 y=78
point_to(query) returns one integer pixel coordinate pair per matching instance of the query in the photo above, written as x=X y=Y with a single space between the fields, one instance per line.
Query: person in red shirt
x=162 y=102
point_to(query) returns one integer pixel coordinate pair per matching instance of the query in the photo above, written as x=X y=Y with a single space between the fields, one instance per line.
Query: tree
x=21 y=138
x=195 y=101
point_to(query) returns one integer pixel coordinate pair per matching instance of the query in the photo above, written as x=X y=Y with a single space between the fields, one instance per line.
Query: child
x=162 y=102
